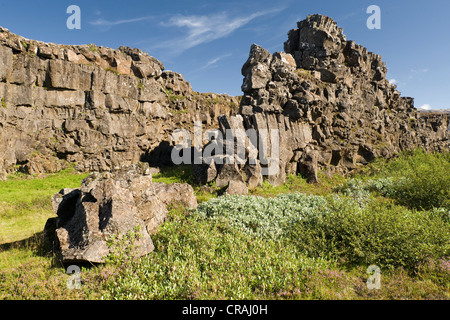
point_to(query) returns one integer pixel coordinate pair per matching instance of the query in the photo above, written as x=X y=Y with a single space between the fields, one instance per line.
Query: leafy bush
x=416 y=179
x=380 y=233
x=356 y=229
x=361 y=189
x=265 y=217
x=201 y=259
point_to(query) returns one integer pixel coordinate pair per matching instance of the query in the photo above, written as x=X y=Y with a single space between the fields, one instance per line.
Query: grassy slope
x=208 y=259
x=25 y=203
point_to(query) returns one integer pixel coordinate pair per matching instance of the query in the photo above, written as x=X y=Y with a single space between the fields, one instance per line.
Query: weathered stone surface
x=237 y=188
x=331 y=104
x=6 y=61
x=253 y=174
x=308 y=166
x=176 y=193
x=98 y=107
x=228 y=172
x=107 y=205
x=103 y=108
x=205 y=173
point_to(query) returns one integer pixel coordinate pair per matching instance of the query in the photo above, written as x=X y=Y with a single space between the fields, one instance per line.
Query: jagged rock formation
x=332 y=105
x=111 y=205
x=93 y=106
x=102 y=108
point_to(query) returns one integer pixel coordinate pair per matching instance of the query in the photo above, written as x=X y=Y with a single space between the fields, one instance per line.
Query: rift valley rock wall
x=102 y=108
x=332 y=104
x=94 y=106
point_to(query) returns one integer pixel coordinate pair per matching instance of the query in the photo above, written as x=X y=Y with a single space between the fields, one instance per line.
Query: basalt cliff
x=331 y=104
x=92 y=106
x=100 y=108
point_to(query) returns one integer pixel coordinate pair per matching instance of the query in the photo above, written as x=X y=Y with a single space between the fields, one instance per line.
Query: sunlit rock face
x=331 y=104
x=96 y=107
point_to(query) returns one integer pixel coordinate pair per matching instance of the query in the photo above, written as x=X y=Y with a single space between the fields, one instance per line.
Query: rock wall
x=332 y=105
x=102 y=108
x=94 y=106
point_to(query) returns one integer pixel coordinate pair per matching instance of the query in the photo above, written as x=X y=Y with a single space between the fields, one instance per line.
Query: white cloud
x=425 y=107
x=108 y=24
x=195 y=29
x=203 y=29
x=215 y=60
x=393 y=81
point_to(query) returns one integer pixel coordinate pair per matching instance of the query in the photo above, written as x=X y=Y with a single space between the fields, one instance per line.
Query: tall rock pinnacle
x=332 y=105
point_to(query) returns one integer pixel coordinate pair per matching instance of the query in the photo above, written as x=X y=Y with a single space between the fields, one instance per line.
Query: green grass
x=295 y=241
x=113 y=70
x=25 y=202
x=197 y=258
x=93 y=47
x=175 y=174
x=298 y=184
x=183 y=174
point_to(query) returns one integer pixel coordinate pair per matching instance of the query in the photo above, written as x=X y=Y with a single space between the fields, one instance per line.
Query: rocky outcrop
x=90 y=105
x=111 y=205
x=330 y=106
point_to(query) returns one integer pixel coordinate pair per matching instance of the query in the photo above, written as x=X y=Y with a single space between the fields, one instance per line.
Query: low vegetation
x=296 y=241
x=173 y=97
x=25 y=202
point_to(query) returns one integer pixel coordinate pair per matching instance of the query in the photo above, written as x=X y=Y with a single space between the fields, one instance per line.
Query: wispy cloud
x=203 y=29
x=351 y=15
x=213 y=62
x=398 y=83
x=100 y=22
x=424 y=70
x=194 y=29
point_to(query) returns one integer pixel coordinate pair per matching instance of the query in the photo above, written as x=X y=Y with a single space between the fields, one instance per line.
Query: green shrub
x=199 y=258
x=173 y=97
x=264 y=217
x=380 y=233
x=416 y=179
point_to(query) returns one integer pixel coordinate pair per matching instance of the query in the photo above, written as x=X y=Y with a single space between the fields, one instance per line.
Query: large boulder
x=111 y=205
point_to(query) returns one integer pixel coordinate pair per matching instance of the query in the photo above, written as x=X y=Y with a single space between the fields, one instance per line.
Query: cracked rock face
x=332 y=105
x=94 y=106
x=108 y=205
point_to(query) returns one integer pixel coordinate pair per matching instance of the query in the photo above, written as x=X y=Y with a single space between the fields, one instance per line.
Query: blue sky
x=209 y=41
